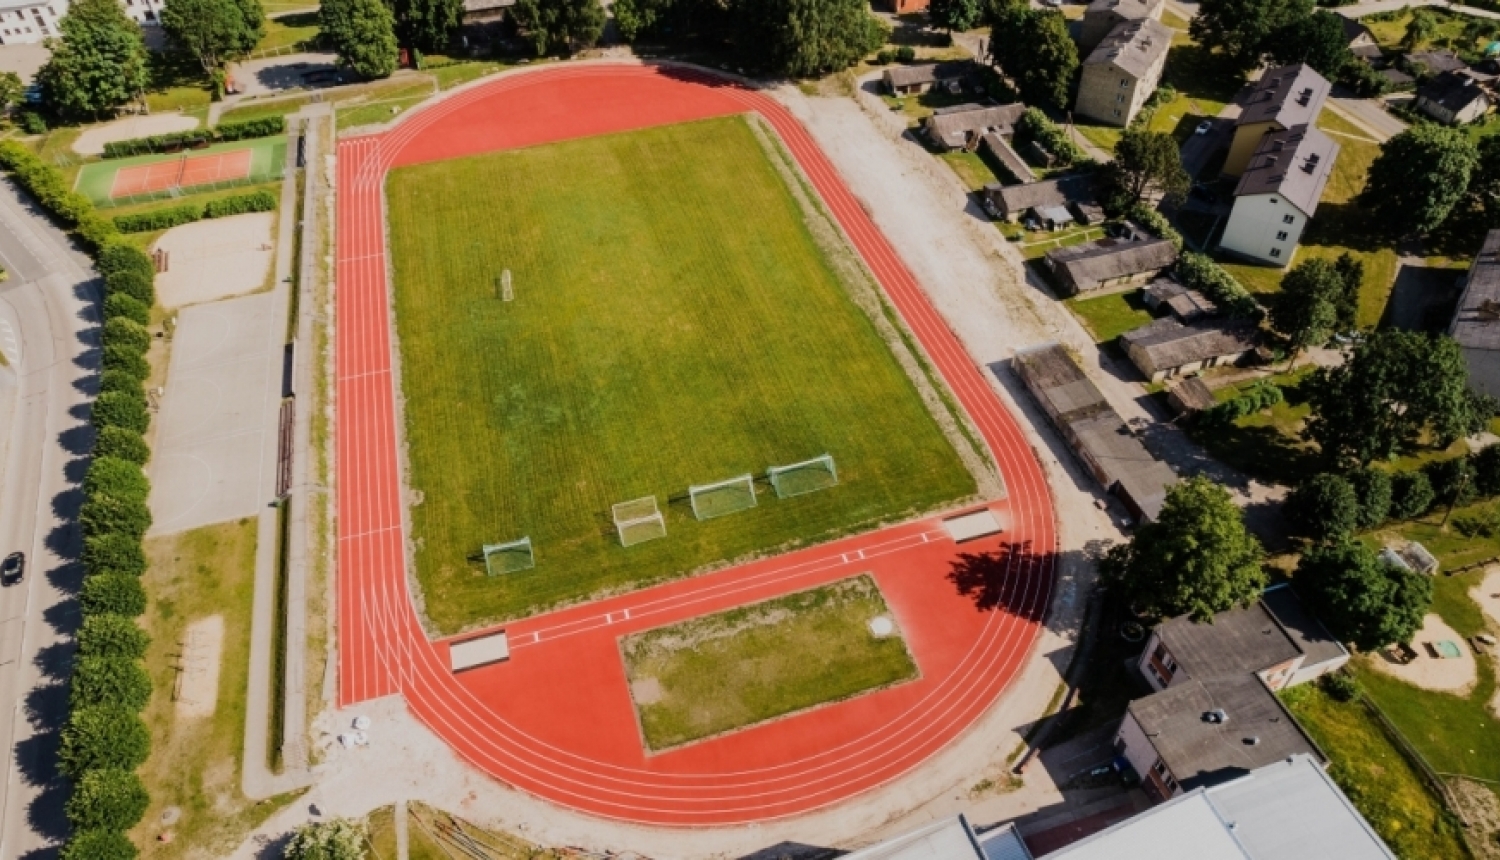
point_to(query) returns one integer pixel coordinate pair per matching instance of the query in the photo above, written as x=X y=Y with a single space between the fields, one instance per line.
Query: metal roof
x=1288 y=96
x=1133 y=46
x=1476 y=323
x=1294 y=163
x=1305 y=630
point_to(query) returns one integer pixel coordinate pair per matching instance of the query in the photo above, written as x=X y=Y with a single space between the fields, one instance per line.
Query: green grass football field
x=674 y=323
x=267 y=160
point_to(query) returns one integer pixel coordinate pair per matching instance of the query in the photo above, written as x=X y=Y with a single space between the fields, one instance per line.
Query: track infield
x=657 y=339
x=117 y=181
x=732 y=669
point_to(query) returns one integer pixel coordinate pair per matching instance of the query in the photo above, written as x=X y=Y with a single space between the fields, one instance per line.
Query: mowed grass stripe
x=674 y=323
x=734 y=669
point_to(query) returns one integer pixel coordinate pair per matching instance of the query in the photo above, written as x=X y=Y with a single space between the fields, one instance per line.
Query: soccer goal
x=808 y=476
x=638 y=521
x=722 y=497
x=510 y=557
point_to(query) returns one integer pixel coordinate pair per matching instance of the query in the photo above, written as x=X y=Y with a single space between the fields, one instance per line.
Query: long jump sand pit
x=197 y=692
x=1448 y=675
x=184 y=172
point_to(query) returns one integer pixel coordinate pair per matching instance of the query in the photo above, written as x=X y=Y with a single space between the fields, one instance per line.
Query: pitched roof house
x=909 y=80
x=1122 y=72
x=1103 y=16
x=1113 y=263
x=1435 y=62
x=1476 y=321
x=1184 y=304
x=1165 y=348
x=959 y=126
x=1361 y=41
x=1000 y=149
x=1283 y=97
x=1278 y=194
x=1076 y=192
x=1453 y=98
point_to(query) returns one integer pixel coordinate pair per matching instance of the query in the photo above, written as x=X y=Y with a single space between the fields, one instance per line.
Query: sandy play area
x=1427 y=671
x=215 y=259
x=1487 y=595
x=202 y=651
x=92 y=142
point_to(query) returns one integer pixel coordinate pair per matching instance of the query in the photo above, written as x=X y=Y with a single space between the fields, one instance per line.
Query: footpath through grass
x=674 y=323
x=195 y=761
x=721 y=672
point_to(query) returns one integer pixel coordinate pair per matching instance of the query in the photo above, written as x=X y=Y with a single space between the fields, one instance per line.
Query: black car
x=13 y=569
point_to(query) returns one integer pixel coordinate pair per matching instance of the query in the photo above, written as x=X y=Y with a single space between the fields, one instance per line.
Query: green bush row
x=104 y=739
x=1200 y=272
x=1261 y=395
x=1329 y=507
x=1034 y=125
x=229 y=131
x=186 y=213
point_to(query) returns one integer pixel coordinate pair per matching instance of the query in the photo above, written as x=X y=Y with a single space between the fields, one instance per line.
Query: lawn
x=654 y=342
x=1264 y=445
x=385 y=104
x=288 y=31
x=721 y=672
x=195 y=762
x=253 y=110
x=1108 y=317
x=1034 y=245
x=1203 y=84
x=1449 y=34
x=971 y=168
x=1106 y=137
x=1383 y=785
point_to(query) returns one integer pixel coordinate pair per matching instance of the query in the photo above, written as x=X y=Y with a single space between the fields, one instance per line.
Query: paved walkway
x=1360 y=10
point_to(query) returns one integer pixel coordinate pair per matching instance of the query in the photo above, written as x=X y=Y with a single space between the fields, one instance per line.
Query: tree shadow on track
x=998 y=580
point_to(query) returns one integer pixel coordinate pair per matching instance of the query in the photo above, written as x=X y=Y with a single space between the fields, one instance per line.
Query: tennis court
x=120 y=181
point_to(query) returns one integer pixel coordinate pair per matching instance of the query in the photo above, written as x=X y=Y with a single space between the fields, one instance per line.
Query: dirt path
x=1487 y=595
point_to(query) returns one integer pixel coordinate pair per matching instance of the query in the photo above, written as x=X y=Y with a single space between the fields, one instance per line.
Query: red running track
x=556 y=720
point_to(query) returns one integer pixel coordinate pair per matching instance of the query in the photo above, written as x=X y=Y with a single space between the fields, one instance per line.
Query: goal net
x=510 y=557
x=638 y=521
x=722 y=497
x=808 y=476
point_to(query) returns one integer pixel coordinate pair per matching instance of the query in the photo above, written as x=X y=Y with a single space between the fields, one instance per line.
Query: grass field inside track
x=674 y=323
x=725 y=671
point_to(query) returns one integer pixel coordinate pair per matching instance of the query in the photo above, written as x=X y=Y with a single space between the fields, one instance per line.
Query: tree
x=214 y=30
x=122 y=444
x=1306 y=309
x=1242 y=30
x=337 y=839
x=11 y=90
x=427 y=25
x=118 y=259
x=563 y=26
x=98 y=64
x=107 y=799
x=1411 y=495
x=953 y=15
x=1033 y=48
x=121 y=305
x=113 y=594
x=1352 y=272
x=107 y=679
x=1373 y=488
x=1393 y=388
x=132 y=363
x=98 y=845
x=362 y=33
x=110 y=635
x=1363 y=600
x=122 y=382
x=1487 y=470
x=804 y=38
x=1419 y=30
x=1452 y=480
x=1147 y=164
x=1418 y=177
x=113 y=552
x=1196 y=558
x=103 y=736
x=1317 y=40
x=131 y=283
x=120 y=409
x=1324 y=508
x=114 y=477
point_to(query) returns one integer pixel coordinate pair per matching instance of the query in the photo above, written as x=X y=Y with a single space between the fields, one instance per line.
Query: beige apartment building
x=1122 y=73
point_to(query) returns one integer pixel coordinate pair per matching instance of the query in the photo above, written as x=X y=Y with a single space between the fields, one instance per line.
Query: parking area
x=216 y=458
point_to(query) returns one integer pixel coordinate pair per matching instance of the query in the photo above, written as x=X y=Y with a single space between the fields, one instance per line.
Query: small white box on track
x=970 y=526
x=473 y=653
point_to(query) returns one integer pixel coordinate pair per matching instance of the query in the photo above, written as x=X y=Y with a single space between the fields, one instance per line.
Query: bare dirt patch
x=216 y=259
x=92 y=142
x=1451 y=675
x=197 y=690
x=1487 y=595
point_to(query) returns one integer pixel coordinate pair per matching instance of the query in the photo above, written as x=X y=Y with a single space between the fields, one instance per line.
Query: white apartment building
x=30 y=21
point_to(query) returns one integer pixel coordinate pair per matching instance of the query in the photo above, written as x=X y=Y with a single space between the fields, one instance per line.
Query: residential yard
x=1035 y=244
x=1382 y=784
x=1203 y=87
x=919 y=107
x=1106 y=137
x=642 y=354
x=1108 y=317
x=971 y=168
x=717 y=673
x=1264 y=445
x=288 y=31
x=196 y=760
x=1449 y=34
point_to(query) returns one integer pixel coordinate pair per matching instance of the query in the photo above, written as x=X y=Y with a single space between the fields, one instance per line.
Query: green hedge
x=124 y=332
x=112 y=635
x=121 y=305
x=120 y=409
x=113 y=594
x=162 y=219
x=123 y=444
x=115 y=477
x=1034 y=125
x=101 y=514
x=1200 y=272
x=54 y=192
x=103 y=736
x=197 y=137
x=103 y=679
x=113 y=553
x=98 y=845
x=132 y=284
x=108 y=799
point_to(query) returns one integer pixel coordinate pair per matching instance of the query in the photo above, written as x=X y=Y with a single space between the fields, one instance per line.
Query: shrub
x=1411 y=495
x=113 y=594
x=112 y=635
x=1487 y=471
x=122 y=444
x=1155 y=222
x=126 y=360
x=1341 y=686
x=121 y=382
x=885 y=57
x=170 y=142
x=107 y=799
x=1323 y=508
x=1034 y=125
x=98 y=845
x=113 y=553
x=102 y=514
x=1200 y=272
x=106 y=679
x=260 y=201
x=336 y=839
x=120 y=409
x=250 y=128
x=33 y=122
x=906 y=54
x=134 y=284
x=123 y=332
x=111 y=476
x=159 y=219
x=103 y=736
x=1452 y=480
x=126 y=307
x=1373 y=489
x=120 y=258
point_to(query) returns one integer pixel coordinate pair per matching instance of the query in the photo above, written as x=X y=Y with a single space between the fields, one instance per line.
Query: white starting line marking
x=12 y=353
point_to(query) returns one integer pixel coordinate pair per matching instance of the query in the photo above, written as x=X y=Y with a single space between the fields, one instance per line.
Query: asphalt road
x=49 y=305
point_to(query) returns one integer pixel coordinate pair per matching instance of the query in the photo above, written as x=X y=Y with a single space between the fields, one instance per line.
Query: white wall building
x=30 y=21
x=1278 y=194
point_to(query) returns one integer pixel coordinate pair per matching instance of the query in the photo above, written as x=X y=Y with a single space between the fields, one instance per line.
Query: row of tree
x=105 y=740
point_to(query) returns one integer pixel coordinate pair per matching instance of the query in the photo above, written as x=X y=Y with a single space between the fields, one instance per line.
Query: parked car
x=13 y=569
x=1204 y=127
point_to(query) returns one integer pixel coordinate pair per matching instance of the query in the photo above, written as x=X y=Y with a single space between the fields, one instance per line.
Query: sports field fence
x=176 y=191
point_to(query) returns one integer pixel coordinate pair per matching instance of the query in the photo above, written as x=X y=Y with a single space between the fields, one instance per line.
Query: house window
x=1124 y=82
x=1117 y=112
x=1288 y=219
x=1276 y=252
x=1119 y=100
x=1281 y=236
x=1275 y=202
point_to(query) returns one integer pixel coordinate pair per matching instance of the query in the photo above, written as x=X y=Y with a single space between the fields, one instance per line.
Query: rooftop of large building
x=1294 y=163
x=1288 y=96
x=1133 y=46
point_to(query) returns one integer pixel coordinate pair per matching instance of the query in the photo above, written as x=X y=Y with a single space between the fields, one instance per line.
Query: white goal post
x=638 y=521
x=808 y=476
x=508 y=557
x=729 y=496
